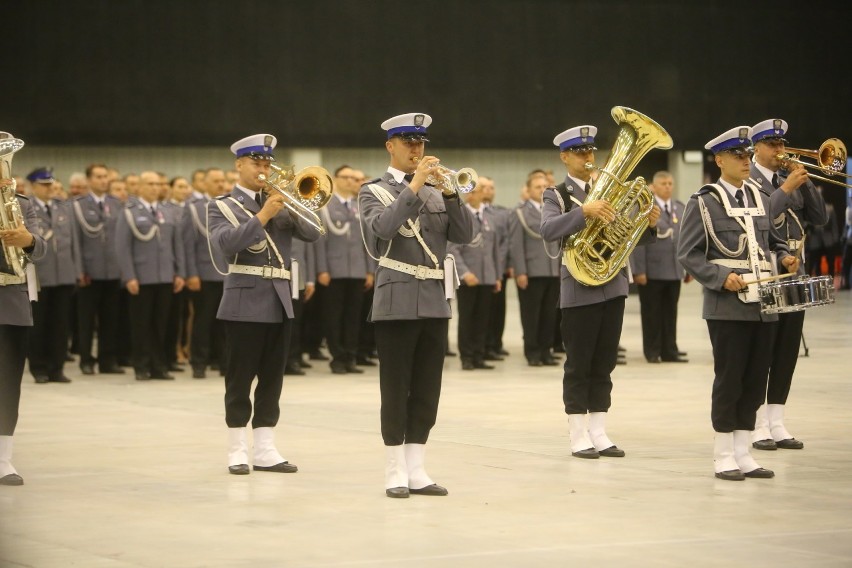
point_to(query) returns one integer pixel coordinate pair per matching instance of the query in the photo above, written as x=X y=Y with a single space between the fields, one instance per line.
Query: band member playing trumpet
x=794 y=201
x=725 y=242
x=254 y=234
x=406 y=225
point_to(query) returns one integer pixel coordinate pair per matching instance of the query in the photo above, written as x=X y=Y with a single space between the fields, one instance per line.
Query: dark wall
x=497 y=73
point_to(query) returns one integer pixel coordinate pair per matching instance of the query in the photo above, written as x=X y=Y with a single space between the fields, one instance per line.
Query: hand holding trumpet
x=426 y=166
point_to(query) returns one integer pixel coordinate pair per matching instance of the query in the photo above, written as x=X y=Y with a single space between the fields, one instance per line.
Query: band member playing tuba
x=407 y=224
x=725 y=243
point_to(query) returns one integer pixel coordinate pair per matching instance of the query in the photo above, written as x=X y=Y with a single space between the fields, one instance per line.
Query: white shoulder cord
x=90 y=230
x=155 y=230
x=344 y=230
x=229 y=215
x=196 y=220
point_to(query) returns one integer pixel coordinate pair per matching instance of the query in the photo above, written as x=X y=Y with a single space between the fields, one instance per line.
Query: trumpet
x=452 y=181
x=304 y=192
x=830 y=160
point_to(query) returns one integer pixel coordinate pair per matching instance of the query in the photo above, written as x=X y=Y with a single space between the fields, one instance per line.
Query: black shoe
x=682 y=353
x=549 y=361
x=622 y=349
x=162 y=376
x=760 y=473
x=317 y=356
x=652 y=359
x=677 y=359
x=338 y=368
x=731 y=475
x=110 y=370
x=305 y=365
x=503 y=352
x=174 y=368
x=612 y=452
x=143 y=376
x=200 y=373
x=588 y=454
x=242 y=469
x=353 y=368
x=364 y=362
x=60 y=379
x=534 y=362
x=451 y=354
x=621 y=361
x=69 y=358
x=214 y=366
x=41 y=379
x=764 y=445
x=467 y=365
x=558 y=349
x=482 y=365
x=87 y=369
x=283 y=467
x=433 y=490
x=293 y=369
x=492 y=356
x=11 y=479
x=397 y=492
x=790 y=444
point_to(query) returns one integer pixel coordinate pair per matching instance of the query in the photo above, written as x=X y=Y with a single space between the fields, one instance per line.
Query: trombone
x=304 y=192
x=830 y=160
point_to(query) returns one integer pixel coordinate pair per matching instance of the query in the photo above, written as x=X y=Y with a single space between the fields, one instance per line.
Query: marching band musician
x=15 y=318
x=254 y=234
x=726 y=241
x=591 y=315
x=407 y=223
x=794 y=201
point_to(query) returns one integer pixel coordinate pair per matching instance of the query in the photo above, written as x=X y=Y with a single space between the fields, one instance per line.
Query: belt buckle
x=266 y=272
x=420 y=272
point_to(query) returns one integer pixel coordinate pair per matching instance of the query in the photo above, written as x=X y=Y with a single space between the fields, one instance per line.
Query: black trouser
x=341 y=311
x=124 y=342
x=590 y=335
x=13 y=353
x=496 y=320
x=207 y=343
x=742 y=351
x=312 y=326
x=539 y=302
x=847 y=263
x=255 y=350
x=474 y=310
x=48 y=343
x=367 y=333
x=149 y=311
x=411 y=361
x=785 y=354
x=176 y=326
x=294 y=353
x=99 y=301
x=658 y=307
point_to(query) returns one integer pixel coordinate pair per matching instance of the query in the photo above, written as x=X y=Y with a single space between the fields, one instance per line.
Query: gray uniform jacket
x=14 y=301
x=340 y=251
x=527 y=254
x=157 y=260
x=195 y=244
x=498 y=217
x=61 y=263
x=697 y=248
x=555 y=225
x=303 y=253
x=401 y=296
x=96 y=234
x=790 y=213
x=658 y=260
x=481 y=257
x=247 y=297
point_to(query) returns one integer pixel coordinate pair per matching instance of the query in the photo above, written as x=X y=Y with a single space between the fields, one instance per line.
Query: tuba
x=596 y=254
x=10 y=210
x=304 y=192
x=452 y=182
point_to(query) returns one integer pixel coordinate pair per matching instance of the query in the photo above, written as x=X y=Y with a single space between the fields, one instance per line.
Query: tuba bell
x=596 y=254
x=304 y=192
x=10 y=210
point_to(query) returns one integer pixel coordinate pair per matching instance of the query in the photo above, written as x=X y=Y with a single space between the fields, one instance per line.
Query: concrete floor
x=121 y=474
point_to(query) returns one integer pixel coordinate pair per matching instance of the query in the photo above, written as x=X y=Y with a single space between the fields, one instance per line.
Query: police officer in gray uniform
x=407 y=224
x=479 y=267
x=16 y=316
x=303 y=259
x=657 y=274
x=206 y=267
x=345 y=270
x=96 y=214
x=726 y=241
x=498 y=218
x=535 y=264
x=794 y=202
x=591 y=315
x=152 y=270
x=57 y=274
x=254 y=233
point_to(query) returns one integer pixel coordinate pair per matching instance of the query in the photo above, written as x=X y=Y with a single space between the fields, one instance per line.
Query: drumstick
x=769 y=278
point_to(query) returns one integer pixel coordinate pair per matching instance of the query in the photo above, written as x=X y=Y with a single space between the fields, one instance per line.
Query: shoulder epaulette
x=222 y=197
x=374 y=180
x=19 y=196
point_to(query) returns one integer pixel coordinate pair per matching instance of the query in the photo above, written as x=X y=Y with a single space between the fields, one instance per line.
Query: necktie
x=739 y=196
x=408 y=177
x=101 y=206
x=775 y=181
x=257 y=199
x=478 y=218
x=154 y=212
x=47 y=208
x=588 y=188
x=668 y=213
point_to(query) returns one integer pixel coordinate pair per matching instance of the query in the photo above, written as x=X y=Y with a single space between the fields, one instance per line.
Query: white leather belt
x=731 y=263
x=9 y=279
x=794 y=245
x=266 y=272
x=418 y=271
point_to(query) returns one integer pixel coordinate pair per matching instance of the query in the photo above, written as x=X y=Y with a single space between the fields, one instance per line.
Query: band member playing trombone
x=254 y=234
x=725 y=242
x=794 y=201
x=406 y=225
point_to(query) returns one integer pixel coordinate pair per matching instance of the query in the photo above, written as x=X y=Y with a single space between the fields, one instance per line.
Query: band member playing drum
x=726 y=241
x=407 y=224
x=794 y=201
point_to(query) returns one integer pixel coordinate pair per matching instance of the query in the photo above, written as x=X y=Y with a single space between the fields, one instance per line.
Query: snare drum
x=785 y=296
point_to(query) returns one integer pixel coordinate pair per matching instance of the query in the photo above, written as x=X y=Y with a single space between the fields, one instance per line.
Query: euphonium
x=10 y=210
x=596 y=254
x=452 y=181
x=304 y=192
